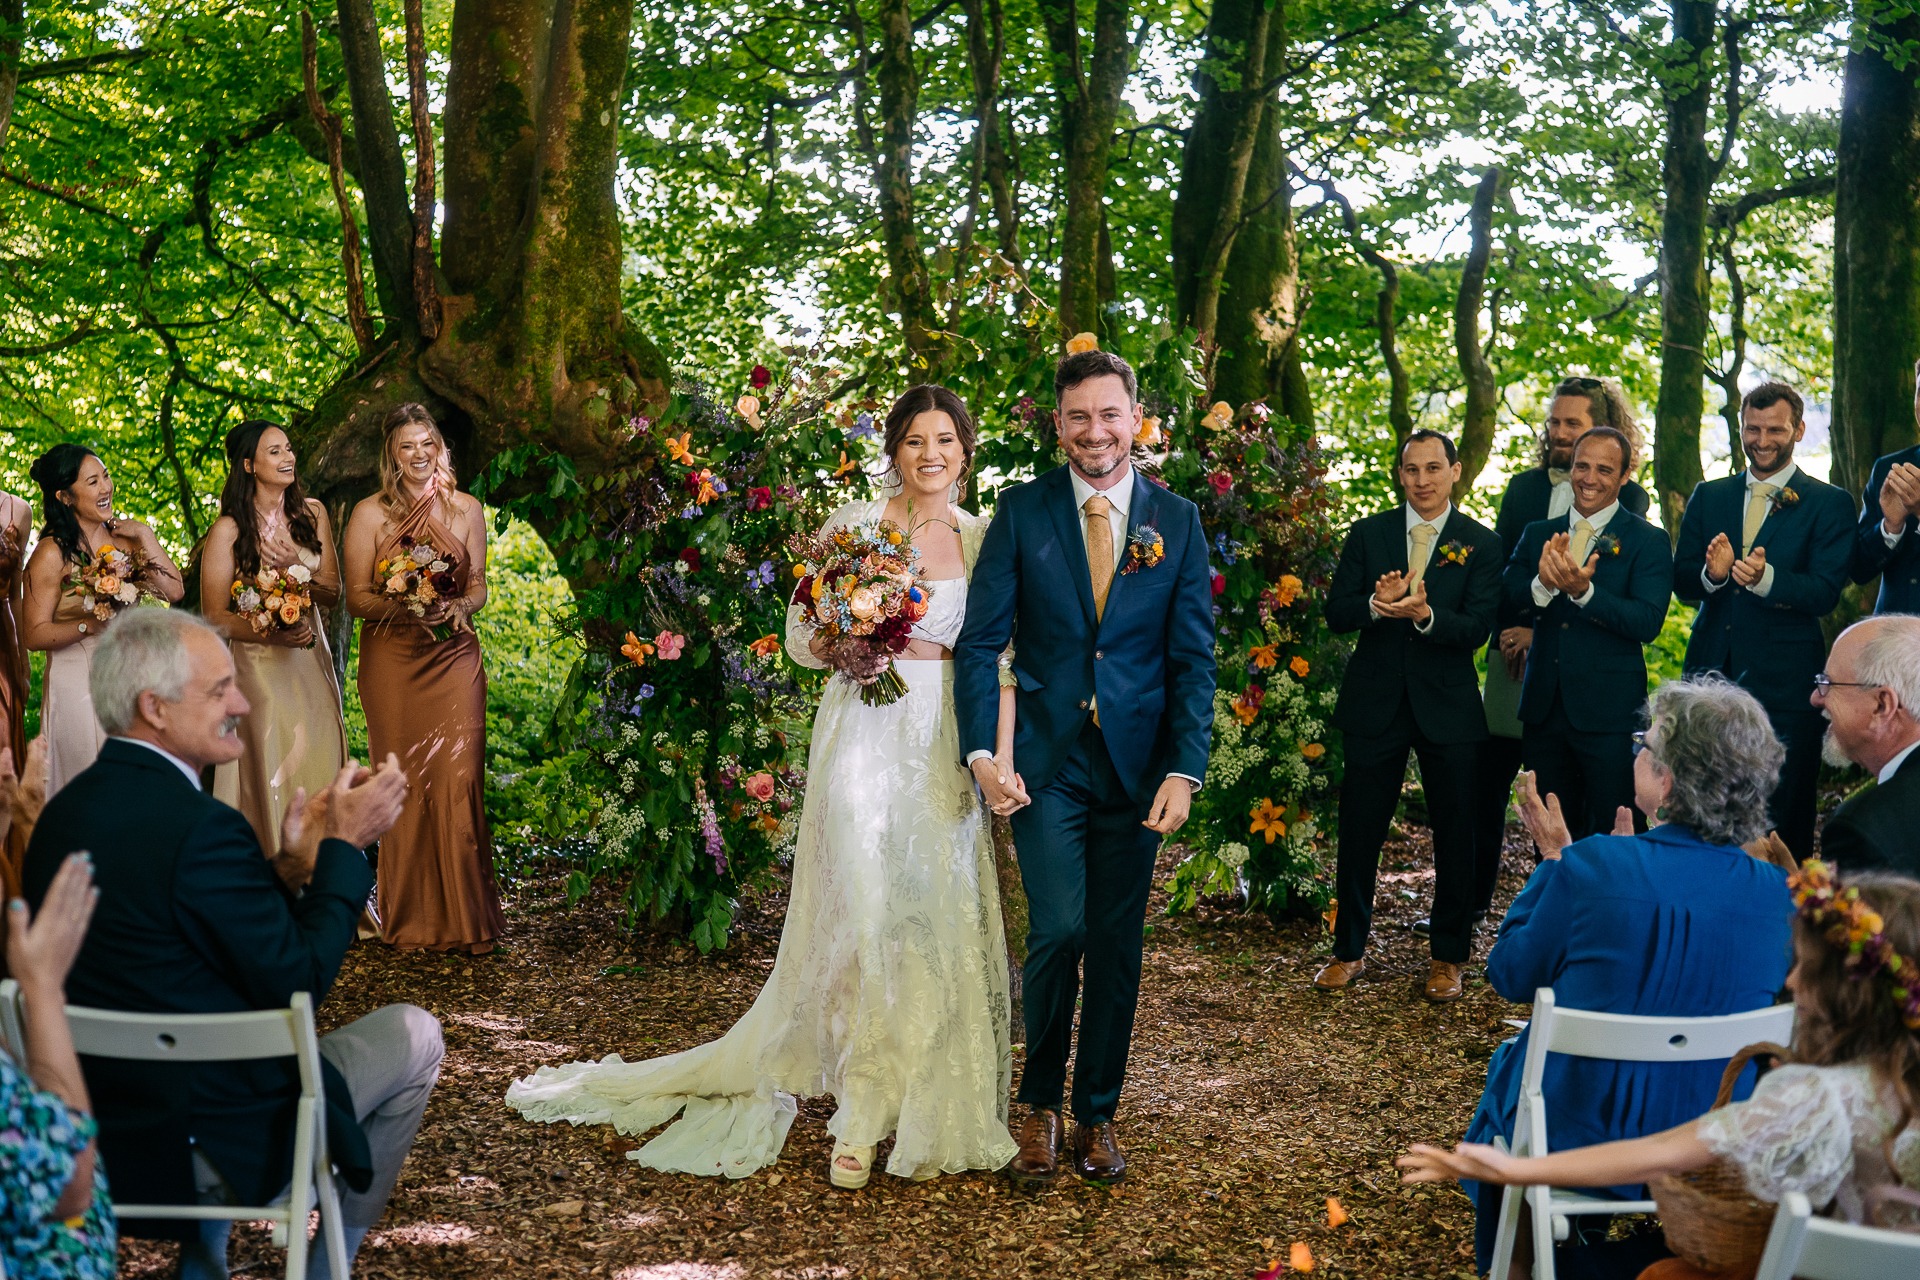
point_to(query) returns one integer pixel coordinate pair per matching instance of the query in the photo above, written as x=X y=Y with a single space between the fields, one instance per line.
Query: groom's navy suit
x=1085 y=857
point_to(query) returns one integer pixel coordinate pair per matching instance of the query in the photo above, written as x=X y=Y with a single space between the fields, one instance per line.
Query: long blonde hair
x=393 y=497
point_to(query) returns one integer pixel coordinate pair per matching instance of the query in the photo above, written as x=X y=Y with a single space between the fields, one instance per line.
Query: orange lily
x=1268 y=819
x=1299 y=667
x=707 y=493
x=1331 y=914
x=678 y=450
x=845 y=468
x=766 y=646
x=636 y=649
x=1335 y=1214
x=1265 y=656
x=1313 y=751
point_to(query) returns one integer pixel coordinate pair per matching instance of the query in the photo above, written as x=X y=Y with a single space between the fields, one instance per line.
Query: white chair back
x=1811 y=1248
x=223 y=1037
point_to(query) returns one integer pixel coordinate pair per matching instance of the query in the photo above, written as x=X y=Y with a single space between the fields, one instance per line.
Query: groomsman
x=1541 y=492
x=1596 y=582
x=1887 y=541
x=1421 y=584
x=1765 y=554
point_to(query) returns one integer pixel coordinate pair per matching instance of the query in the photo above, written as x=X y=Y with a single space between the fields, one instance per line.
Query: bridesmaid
x=78 y=519
x=294 y=735
x=426 y=699
x=16 y=526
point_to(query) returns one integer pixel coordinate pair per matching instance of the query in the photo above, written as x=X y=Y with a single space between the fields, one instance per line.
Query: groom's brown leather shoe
x=1338 y=973
x=1443 y=983
x=1096 y=1154
x=1038 y=1162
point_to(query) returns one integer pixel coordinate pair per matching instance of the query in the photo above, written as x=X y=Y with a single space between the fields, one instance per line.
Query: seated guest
x=194 y=917
x=1836 y=1123
x=1870 y=694
x=56 y=1219
x=1679 y=922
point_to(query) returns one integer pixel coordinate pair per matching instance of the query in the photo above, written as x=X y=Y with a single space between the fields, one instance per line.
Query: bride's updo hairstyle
x=55 y=471
x=926 y=398
x=393 y=495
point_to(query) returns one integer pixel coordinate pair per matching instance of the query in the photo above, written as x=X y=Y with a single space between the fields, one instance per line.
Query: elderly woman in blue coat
x=1679 y=922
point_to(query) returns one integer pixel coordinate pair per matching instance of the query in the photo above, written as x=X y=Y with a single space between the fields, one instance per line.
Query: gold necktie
x=1099 y=550
x=1578 y=544
x=1422 y=535
x=1759 y=498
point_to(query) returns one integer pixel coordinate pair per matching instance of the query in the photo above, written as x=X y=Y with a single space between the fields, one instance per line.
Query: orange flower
x=766 y=646
x=769 y=823
x=1219 y=417
x=1080 y=342
x=1268 y=819
x=1335 y=1214
x=1299 y=667
x=1149 y=433
x=1265 y=656
x=1289 y=589
x=636 y=650
x=678 y=450
x=1331 y=914
x=845 y=468
x=1300 y=1258
x=707 y=492
x=1313 y=751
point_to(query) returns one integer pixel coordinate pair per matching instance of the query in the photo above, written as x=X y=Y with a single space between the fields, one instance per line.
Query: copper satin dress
x=426 y=701
x=294 y=735
x=72 y=731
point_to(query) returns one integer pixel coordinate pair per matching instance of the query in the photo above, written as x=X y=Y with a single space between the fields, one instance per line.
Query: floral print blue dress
x=40 y=1139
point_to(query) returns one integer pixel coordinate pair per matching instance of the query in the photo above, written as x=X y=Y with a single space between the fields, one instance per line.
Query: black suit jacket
x=1899 y=566
x=192 y=919
x=1592 y=654
x=1879 y=829
x=1772 y=645
x=1433 y=671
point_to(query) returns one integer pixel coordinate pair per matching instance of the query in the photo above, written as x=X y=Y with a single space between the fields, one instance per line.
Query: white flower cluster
x=1233 y=855
x=618 y=828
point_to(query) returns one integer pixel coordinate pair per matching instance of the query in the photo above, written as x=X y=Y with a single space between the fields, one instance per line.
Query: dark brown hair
x=1607 y=406
x=236 y=498
x=927 y=397
x=1086 y=366
x=1618 y=437
x=1424 y=433
x=1769 y=394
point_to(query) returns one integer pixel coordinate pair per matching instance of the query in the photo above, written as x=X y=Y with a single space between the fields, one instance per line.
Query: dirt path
x=1251 y=1099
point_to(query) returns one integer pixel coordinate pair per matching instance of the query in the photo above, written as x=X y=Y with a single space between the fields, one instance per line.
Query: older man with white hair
x=195 y=917
x=1870 y=695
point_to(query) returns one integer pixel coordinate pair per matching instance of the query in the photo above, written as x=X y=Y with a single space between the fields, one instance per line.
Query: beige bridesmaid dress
x=72 y=731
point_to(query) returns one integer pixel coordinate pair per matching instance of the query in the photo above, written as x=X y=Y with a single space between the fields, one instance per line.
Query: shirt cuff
x=1584 y=598
x=1892 y=539
x=1197 y=784
x=1371 y=611
x=977 y=755
x=1542 y=593
x=1762 y=587
x=1709 y=583
x=1424 y=627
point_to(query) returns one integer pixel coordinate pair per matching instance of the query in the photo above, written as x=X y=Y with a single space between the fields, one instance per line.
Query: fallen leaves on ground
x=1255 y=1109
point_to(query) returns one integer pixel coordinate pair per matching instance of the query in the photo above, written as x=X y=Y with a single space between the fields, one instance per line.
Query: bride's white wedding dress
x=890 y=988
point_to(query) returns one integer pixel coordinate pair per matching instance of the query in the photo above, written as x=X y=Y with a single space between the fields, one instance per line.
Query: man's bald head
x=1873 y=706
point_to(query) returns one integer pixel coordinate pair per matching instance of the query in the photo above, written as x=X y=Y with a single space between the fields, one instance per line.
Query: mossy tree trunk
x=1087 y=85
x=1483 y=394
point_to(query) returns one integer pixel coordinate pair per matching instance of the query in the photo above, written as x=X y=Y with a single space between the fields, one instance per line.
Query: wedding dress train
x=890 y=987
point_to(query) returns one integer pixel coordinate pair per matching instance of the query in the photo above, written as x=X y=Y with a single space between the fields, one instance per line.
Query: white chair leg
x=333 y=1228
x=1511 y=1198
x=1541 y=1198
x=300 y=1194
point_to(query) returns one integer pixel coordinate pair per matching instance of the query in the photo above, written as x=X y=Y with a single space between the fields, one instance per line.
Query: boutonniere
x=1604 y=545
x=1145 y=549
x=1782 y=498
x=1455 y=552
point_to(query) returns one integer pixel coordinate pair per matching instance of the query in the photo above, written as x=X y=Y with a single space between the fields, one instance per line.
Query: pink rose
x=760 y=786
x=1221 y=482
x=669 y=645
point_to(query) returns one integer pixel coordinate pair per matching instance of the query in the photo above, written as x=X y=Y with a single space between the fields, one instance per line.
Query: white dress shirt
x=1778 y=479
x=193 y=774
x=1892 y=766
x=1414 y=520
x=1542 y=593
x=1120 y=495
x=1559 y=499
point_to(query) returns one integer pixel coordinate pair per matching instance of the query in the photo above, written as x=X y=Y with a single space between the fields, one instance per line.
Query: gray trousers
x=390 y=1060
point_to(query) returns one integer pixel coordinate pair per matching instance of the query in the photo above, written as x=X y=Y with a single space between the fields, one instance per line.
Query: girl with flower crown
x=1840 y=1123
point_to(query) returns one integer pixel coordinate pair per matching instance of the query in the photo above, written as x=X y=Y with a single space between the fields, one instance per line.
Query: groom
x=1100 y=578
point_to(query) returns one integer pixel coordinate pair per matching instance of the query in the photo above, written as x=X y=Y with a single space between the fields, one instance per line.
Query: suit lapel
x=1141 y=509
x=1073 y=540
x=1761 y=538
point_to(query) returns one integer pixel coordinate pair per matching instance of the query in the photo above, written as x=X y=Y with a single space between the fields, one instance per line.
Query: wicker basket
x=1709 y=1216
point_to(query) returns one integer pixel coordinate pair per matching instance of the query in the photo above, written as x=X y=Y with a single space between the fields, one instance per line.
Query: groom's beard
x=1095 y=465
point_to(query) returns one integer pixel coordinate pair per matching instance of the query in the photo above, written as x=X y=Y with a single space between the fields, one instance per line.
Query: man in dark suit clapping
x=195 y=917
x=1764 y=554
x=1421 y=584
x=1887 y=540
x=1596 y=581
x=1870 y=695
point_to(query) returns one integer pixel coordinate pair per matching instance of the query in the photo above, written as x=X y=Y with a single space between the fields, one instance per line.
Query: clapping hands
x=1899 y=496
x=1557 y=569
x=1722 y=563
x=1392 y=599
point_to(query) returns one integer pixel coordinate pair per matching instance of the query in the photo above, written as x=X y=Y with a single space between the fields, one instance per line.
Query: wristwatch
x=83 y=628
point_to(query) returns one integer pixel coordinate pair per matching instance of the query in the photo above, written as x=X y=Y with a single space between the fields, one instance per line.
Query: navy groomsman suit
x=1895 y=560
x=1408 y=688
x=1767 y=637
x=1586 y=676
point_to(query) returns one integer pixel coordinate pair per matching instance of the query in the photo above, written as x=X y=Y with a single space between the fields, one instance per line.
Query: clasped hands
x=1722 y=562
x=1899 y=496
x=1558 y=571
x=1006 y=792
x=358 y=808
x=1392 y=599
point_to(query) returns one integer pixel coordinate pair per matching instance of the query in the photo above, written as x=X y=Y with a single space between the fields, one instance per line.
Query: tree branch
x=1731 y=215
x=426 y=291
x=357 y=316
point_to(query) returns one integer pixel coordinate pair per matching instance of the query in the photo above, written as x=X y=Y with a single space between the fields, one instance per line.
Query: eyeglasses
x=1640 y=742
x=1821 y=683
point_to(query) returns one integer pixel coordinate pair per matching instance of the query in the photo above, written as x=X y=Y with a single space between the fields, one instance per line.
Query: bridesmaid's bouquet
x=419 y=575
x=114 y=579
x=858 y=591
x=274 y=599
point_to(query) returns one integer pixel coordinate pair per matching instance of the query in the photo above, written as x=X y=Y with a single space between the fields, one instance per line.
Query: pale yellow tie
x=1582 y=539
x=1759 y=499
x=1099 y=561
x=1422 y=535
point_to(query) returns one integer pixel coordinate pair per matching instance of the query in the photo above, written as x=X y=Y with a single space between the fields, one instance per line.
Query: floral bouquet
x=858 y=591
x=419 y=575
x=275 y=599
x=112 y=580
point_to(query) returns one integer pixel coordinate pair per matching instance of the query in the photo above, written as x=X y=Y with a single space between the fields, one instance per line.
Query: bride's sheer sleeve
x=1793 y=1134
x=798 y=632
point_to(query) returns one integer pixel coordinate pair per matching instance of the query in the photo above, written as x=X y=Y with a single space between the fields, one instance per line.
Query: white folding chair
x=1622 y=1038
x=1818 y=1249
x=225 y=1037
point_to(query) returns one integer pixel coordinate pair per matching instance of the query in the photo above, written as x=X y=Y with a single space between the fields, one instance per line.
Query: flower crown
x=1845 y=921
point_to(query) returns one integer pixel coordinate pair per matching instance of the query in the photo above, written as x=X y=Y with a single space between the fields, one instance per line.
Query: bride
x=890 y=988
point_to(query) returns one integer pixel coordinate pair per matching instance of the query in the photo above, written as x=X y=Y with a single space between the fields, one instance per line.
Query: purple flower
x=646 y=691
x=863 y=428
